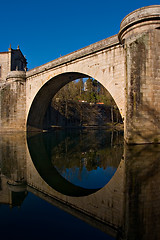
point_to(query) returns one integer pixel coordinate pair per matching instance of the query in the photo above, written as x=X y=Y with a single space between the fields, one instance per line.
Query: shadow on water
x=76 y=162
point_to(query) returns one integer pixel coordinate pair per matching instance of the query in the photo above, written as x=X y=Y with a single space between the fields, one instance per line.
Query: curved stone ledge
x=144 y=15
x=16 y=75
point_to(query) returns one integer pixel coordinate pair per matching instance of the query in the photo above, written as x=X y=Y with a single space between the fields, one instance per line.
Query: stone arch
x=46 y=93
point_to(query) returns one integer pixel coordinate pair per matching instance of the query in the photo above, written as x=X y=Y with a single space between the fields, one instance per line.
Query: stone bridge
x=127 y=65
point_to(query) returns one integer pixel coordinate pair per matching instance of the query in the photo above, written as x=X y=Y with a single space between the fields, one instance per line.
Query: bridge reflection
x=75 y=163
x=126 y=207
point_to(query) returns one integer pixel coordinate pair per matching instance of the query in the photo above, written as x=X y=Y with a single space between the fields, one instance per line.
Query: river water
x=78 y=184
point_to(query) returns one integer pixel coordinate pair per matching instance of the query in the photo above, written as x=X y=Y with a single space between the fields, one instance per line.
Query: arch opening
x=41 y=116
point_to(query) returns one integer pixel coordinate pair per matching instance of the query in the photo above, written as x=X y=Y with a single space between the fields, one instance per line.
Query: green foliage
x=68 y=101
x=89 y=90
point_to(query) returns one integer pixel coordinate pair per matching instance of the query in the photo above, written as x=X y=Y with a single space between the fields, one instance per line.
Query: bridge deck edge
x=83 y=52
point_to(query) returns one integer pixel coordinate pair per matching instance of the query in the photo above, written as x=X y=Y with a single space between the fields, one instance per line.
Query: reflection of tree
x=90 y=150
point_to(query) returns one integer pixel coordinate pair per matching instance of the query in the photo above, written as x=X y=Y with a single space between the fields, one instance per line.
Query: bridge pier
x=140 y=35
x=13 y=102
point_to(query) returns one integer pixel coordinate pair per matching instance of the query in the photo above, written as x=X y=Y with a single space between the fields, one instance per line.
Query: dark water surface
x=37 y=219
x=74 y=184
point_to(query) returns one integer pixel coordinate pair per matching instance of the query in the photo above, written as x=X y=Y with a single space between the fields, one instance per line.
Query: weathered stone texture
x=13 y=104
x=5 y=66
x=140 y=35
x=143 y=88
x=11 y=61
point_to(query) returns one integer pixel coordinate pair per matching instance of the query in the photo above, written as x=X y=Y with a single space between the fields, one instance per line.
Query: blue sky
x=46 y=30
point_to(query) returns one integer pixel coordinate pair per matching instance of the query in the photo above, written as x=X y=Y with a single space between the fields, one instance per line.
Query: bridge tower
x=13 y=66
x=140 y=36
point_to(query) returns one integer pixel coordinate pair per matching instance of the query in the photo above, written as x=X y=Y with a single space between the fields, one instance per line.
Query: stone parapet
x=140 y=20
x=81 y=53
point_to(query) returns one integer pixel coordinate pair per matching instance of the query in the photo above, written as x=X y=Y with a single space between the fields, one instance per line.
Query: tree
x=80 y=87
x=90 y=93
x=66 y=101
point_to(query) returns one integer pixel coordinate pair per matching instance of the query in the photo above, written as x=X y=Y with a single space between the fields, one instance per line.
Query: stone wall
x=13 y=102
x=11 y=61
x=143 y=92
x=5 y=59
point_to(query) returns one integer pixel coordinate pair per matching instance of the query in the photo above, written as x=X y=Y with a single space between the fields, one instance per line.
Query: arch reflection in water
x=76 y=162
